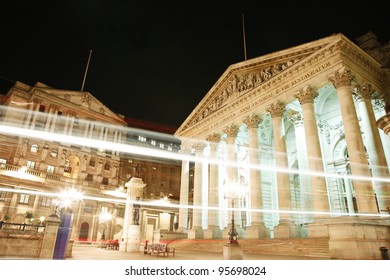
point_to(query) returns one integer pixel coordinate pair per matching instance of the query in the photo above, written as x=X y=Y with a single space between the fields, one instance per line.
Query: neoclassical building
x=291 y=139
x=54 y=140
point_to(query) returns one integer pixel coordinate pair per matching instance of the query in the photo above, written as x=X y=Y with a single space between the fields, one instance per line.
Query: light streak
x=155 y=203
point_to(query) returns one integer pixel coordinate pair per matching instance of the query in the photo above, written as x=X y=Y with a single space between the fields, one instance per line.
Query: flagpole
x=243 y=33
x=86 y=70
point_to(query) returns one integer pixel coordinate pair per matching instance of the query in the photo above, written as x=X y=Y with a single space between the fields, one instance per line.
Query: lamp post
x=105 y=216
x=232 y=232
x=232 y=250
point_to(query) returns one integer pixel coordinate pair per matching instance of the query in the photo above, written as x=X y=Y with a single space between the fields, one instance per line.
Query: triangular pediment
x=80 y=99
x=244 y=77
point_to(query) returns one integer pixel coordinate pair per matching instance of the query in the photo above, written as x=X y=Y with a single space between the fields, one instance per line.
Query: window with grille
x=24 y=198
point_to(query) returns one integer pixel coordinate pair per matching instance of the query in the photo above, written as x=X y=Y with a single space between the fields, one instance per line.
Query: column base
x=195 y=233
x=213 y=233
x=256 y=232
x=131 y=242
x=233 y=252
x=287 y=231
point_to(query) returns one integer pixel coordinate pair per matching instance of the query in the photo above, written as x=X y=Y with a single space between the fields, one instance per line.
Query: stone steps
x=310 y=247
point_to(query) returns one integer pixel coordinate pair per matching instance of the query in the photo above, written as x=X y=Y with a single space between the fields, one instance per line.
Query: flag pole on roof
x=243 y=34
x=86 y=70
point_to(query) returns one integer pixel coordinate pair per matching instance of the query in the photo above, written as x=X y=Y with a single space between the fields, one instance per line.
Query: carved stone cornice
x=276 y=109
x=341 y=78
x=231 y=131
x=253 y=120
x=306 y=95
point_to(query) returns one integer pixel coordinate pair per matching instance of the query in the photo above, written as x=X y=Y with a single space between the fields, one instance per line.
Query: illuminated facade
x=294 y=132
x=68 y=141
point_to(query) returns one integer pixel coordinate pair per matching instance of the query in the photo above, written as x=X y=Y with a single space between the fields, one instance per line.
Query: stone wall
x=20 y=245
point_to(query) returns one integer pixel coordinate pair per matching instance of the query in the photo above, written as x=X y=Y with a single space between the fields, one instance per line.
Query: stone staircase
x=307 y=247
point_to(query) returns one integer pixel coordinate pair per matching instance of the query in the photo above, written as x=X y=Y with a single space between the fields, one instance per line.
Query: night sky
x=155 y=60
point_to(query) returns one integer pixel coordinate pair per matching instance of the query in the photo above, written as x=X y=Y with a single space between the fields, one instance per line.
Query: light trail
x=158 y=153
x=157 y=203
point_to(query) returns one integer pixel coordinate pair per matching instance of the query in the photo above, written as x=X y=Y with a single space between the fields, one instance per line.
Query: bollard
x=384 y=253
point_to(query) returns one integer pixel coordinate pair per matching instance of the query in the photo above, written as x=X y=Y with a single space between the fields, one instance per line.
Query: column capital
x=341 y=78
x=231 y=130
x=253 y=120
x=306 y=95
x=295 y=117
x=214 y=138
x=365 y=90
x=199 y=146
x=276 y=109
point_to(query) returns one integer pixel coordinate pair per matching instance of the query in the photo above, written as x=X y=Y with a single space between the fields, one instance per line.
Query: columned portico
x=256 y=227
x=359 y=165
x=318 y=188
x=213 y=231
x=373 y=143
x=185 y=173
x=310 y=173
x=196 y=231
x=285 y=227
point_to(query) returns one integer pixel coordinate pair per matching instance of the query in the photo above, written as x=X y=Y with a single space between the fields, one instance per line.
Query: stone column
x=29 y=113
x=376 y=153
x=185 y=173
x=48 y=119
x=213 y=231
x=304 y=179
x=131 y=228
x=318 y=183
x=38 y=104
x=285 y=228
x=232 y=169
x=256 y=227
x=365 y=196
x=54 y=120
x=197 y=232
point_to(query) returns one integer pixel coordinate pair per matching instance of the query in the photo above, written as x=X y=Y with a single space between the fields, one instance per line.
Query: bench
x=158 y=249
x=110 y=244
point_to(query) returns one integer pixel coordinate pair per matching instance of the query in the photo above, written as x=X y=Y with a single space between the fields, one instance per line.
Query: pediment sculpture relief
x=239 y=84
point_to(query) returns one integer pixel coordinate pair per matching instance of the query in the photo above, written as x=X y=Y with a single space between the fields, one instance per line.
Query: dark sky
x=155 y=60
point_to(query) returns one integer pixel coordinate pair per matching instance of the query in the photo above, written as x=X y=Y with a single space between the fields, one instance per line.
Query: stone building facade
x=291 y=138
x=59 y=140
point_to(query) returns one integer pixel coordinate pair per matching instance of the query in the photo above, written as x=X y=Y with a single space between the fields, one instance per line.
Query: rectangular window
x=3 y=195
x=50 y=169
x=142 y=138
x=88 y=208
x=89 y=178
x=161 y=145
x=3 y=162
x=46 y=201
x=92 y=163
x=42 y=108
x=153 y=142
x=30 y=164
x=105 y=181
x=34 y=148
x=24 y=198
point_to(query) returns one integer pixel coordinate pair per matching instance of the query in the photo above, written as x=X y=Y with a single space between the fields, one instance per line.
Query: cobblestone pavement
x=88 y=252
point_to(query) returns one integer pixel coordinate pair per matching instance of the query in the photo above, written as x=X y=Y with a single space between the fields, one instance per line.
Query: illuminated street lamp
x=232 y=250
x=105 y=216
x=63 y=202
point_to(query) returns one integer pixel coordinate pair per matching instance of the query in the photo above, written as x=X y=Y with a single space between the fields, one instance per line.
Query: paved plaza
x=89 y=252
